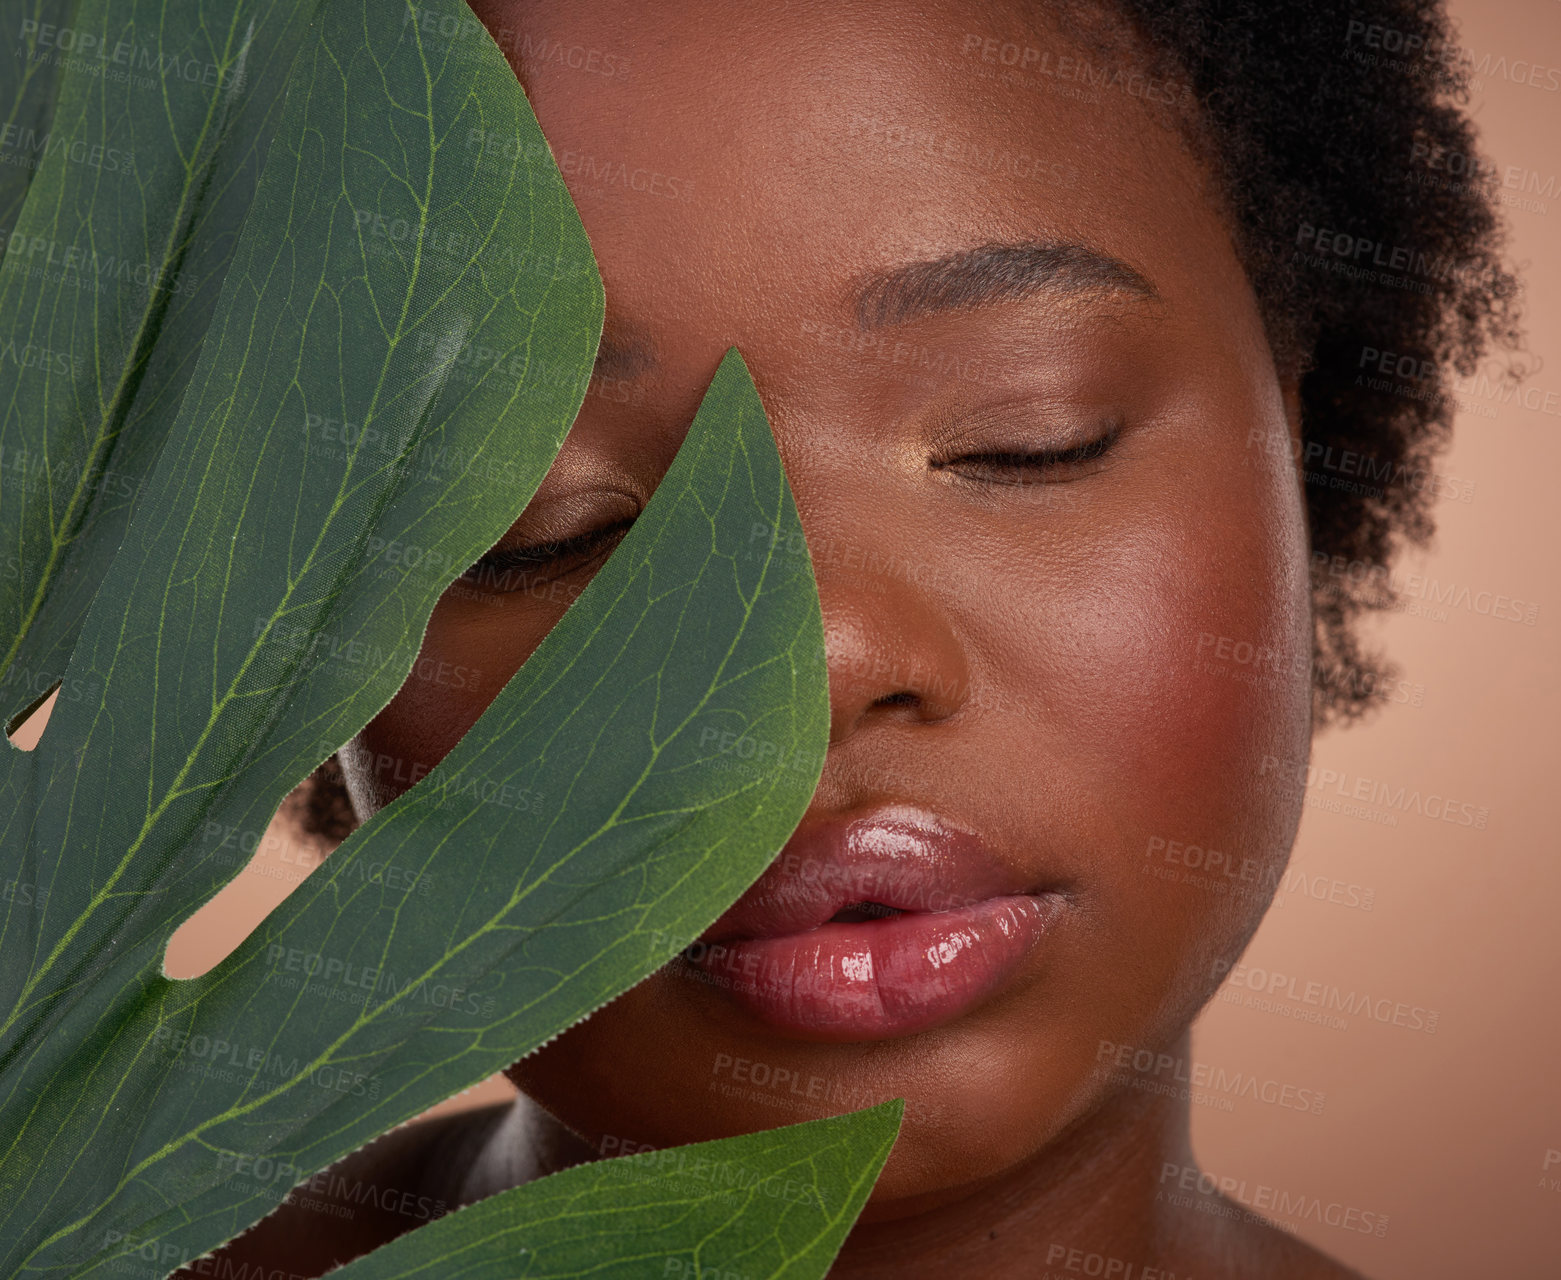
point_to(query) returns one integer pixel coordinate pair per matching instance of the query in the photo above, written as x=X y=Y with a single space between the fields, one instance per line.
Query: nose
x=893 y=651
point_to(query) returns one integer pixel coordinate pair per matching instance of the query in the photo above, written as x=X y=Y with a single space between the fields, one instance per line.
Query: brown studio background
x=1445 y=1132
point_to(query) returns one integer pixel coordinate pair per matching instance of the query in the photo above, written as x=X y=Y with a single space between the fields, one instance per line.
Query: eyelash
x=1037 y=461
x=540 y=555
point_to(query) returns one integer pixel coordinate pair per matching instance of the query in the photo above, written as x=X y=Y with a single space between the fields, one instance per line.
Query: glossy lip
x=948 y=927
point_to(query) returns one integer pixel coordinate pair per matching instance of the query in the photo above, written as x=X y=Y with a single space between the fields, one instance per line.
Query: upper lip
x=898 y=857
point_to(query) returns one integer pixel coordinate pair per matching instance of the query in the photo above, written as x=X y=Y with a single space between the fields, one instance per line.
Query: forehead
x=744 y=162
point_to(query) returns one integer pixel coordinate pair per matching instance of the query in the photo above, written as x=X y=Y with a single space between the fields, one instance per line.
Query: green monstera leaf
x=127 y=166
x=27 y=97
x=654 y=1214
x=347 y=348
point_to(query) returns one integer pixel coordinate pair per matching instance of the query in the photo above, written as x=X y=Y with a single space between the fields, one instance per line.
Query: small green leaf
x=765 y=1206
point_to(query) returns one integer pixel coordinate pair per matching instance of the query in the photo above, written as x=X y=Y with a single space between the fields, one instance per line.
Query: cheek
x=401 y=744
x=1200 y=657
x=472 y=647
x=1193 y=649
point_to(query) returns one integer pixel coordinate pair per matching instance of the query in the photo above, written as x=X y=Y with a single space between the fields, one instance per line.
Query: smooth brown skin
x=1038 y=680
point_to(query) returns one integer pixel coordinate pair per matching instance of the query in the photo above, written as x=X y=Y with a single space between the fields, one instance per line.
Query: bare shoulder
x=393 y=1185
x=1259 y=1248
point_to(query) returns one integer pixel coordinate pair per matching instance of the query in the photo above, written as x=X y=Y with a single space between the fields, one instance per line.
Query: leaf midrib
x=129 y=380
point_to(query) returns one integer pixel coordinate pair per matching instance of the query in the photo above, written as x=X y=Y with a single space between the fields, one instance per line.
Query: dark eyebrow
x=992 y=273
x=623 y=353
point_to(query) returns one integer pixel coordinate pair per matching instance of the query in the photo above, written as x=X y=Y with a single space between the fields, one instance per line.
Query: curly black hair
x=1330 y=127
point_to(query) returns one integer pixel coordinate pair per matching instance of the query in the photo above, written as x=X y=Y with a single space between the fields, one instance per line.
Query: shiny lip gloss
x=877 y=926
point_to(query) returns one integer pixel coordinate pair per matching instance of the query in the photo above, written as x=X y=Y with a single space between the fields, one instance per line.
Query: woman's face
x=1047 y=653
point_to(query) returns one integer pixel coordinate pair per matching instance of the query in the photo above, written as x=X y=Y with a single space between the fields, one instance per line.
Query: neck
x=1097 y=1189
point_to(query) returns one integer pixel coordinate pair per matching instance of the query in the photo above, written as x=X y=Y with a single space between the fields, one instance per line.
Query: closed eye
x=507 y=569
x=1032 y=466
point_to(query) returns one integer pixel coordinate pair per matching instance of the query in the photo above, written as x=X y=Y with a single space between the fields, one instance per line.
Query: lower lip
x=878 y=979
